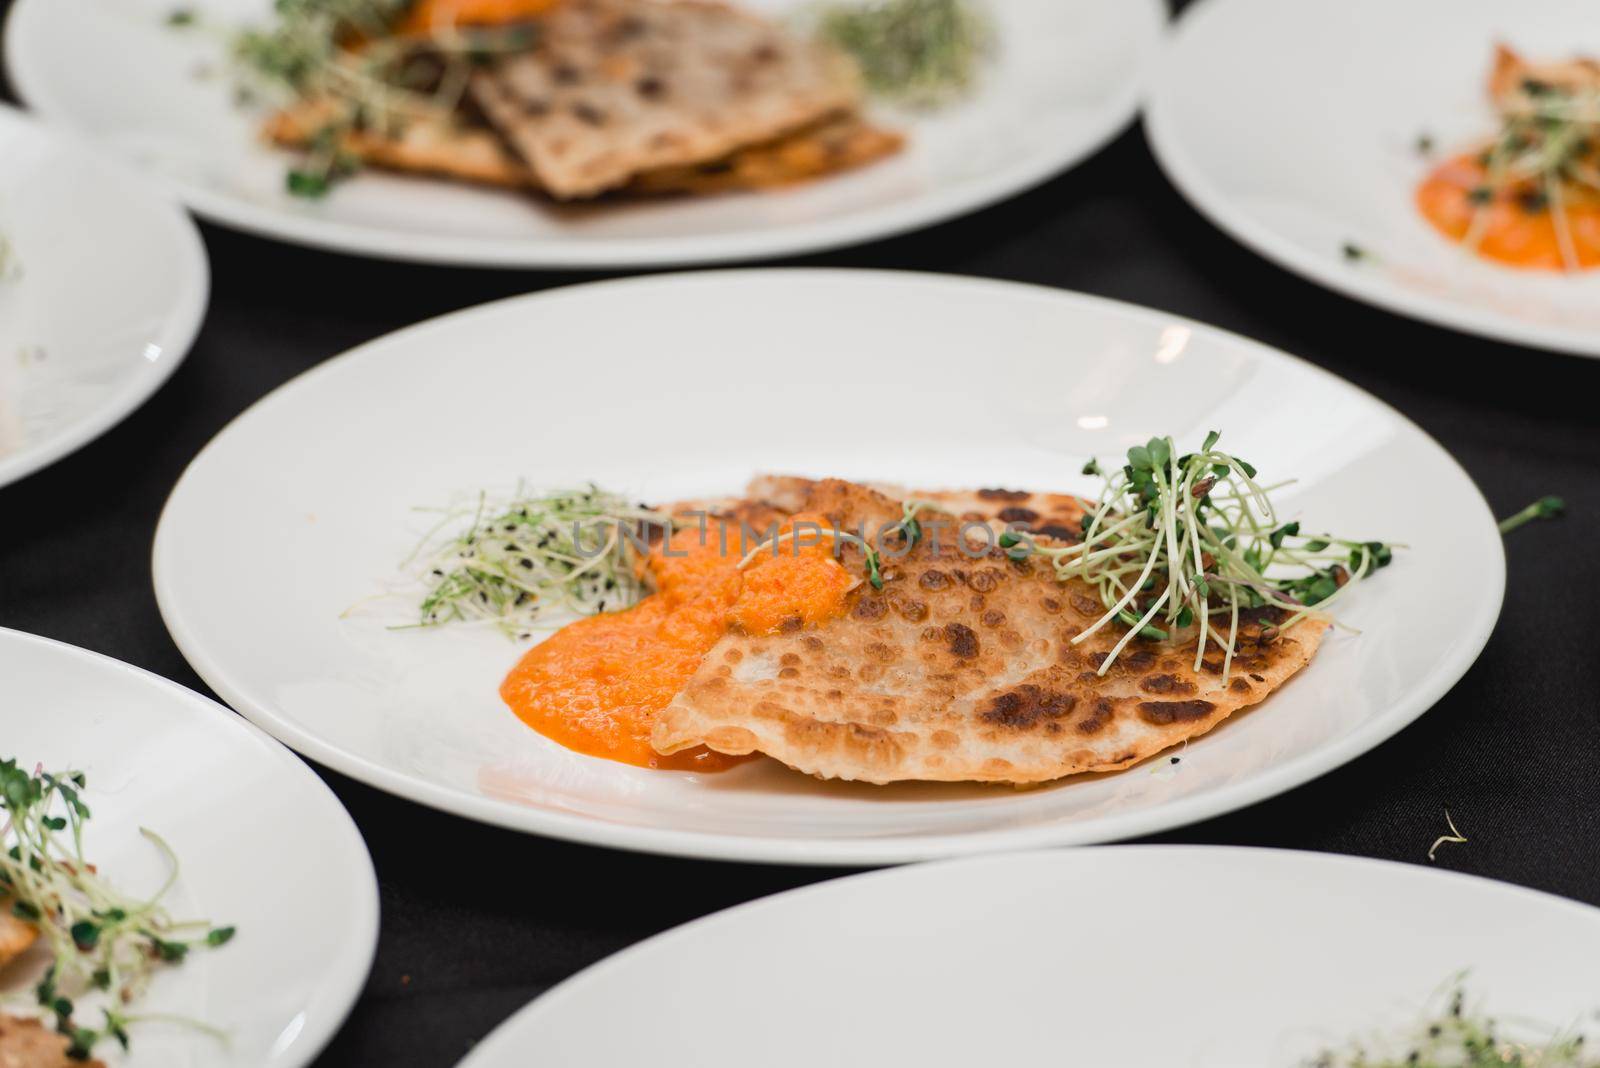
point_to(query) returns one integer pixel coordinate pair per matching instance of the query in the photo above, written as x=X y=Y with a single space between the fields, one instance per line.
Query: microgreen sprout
x=343 y=58
x=907 y=528
x=1454 y=837
x=923 y=53
x=101 y=940
x=1186 y=542
x=1451 y=1034
x=511 y=561
x=1543 y=508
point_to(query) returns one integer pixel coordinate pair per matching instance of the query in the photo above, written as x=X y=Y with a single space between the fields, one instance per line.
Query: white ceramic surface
x=683 y=386
x=1293 y=126
x=106 y=286
x=1068 y=77
x=1131 y=956
x=262 y=845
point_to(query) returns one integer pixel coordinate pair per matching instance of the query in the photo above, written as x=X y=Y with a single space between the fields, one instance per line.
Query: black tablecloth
x=477 y=921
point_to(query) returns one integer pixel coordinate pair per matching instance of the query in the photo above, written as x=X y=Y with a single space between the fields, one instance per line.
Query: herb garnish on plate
x=343 y=57
x=517 y=558
x=1179 y=542
x=101 y=940
x=921 y=53
x=1546 y=153
x=1454 y=1035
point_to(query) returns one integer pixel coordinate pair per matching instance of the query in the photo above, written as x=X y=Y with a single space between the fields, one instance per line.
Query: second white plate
x=684 y=386
x=1293 y=126
x=262 y=846
x=103 y=283
x=1068 y=76
x=1133 y=957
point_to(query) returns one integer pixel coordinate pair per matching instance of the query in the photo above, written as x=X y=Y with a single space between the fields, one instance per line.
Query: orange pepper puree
x=1510 y=232
x=597 y=685
x=426 y=16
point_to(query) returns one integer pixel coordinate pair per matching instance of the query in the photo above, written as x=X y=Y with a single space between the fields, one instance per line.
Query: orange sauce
x=1510 y=232
x=597 y=685
x=429 y=15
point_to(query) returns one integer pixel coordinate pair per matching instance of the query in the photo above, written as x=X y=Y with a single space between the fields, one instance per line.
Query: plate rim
x=1191 y=182
x=184 y=320
x=823 y=851
x=1084 y=857
x=856 y=228
x=348 y=976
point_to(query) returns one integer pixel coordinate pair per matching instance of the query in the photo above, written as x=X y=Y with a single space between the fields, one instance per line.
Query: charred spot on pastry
x=963 y=640
x=1029 y=705
x=1166 y=684
x=1166 y=713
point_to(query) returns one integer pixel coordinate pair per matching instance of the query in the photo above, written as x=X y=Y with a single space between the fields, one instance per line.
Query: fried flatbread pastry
x=446 y=148
x=437 y=145
x=15 y=935
x=1057 y=515
x=614 y=88
x=27 y=1043
x=834 y=145
x=963 y=668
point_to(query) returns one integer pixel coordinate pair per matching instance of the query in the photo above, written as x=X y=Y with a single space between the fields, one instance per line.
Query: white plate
x=1132 y=956
x=109 y=289
x=1068 y=78
x=683 y=386
x=262 y=845
x=1293 y=127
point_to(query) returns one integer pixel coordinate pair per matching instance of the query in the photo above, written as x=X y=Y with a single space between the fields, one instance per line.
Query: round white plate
x=1293 y=126
x=106 y=290
x=1133 y=956
x=262 y=845
x=1067 y=78
x=683 y=386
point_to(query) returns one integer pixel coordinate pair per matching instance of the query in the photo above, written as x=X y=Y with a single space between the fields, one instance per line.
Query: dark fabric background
x=477 y=921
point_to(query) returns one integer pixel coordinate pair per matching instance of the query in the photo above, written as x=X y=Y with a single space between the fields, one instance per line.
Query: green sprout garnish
x=907 y=528
x=1548 y=149
x=1452 y=1035
x=922 y=53
x=10 y=265
x=100 y=939
x=1189 y=541
x=517 y=559
x=341 y=56
x=1455 y=837
x=1543 y=508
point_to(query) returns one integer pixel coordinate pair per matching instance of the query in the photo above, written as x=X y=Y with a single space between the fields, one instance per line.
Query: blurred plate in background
x=1295 y=128
x=103 y=284
x=1066 y=78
